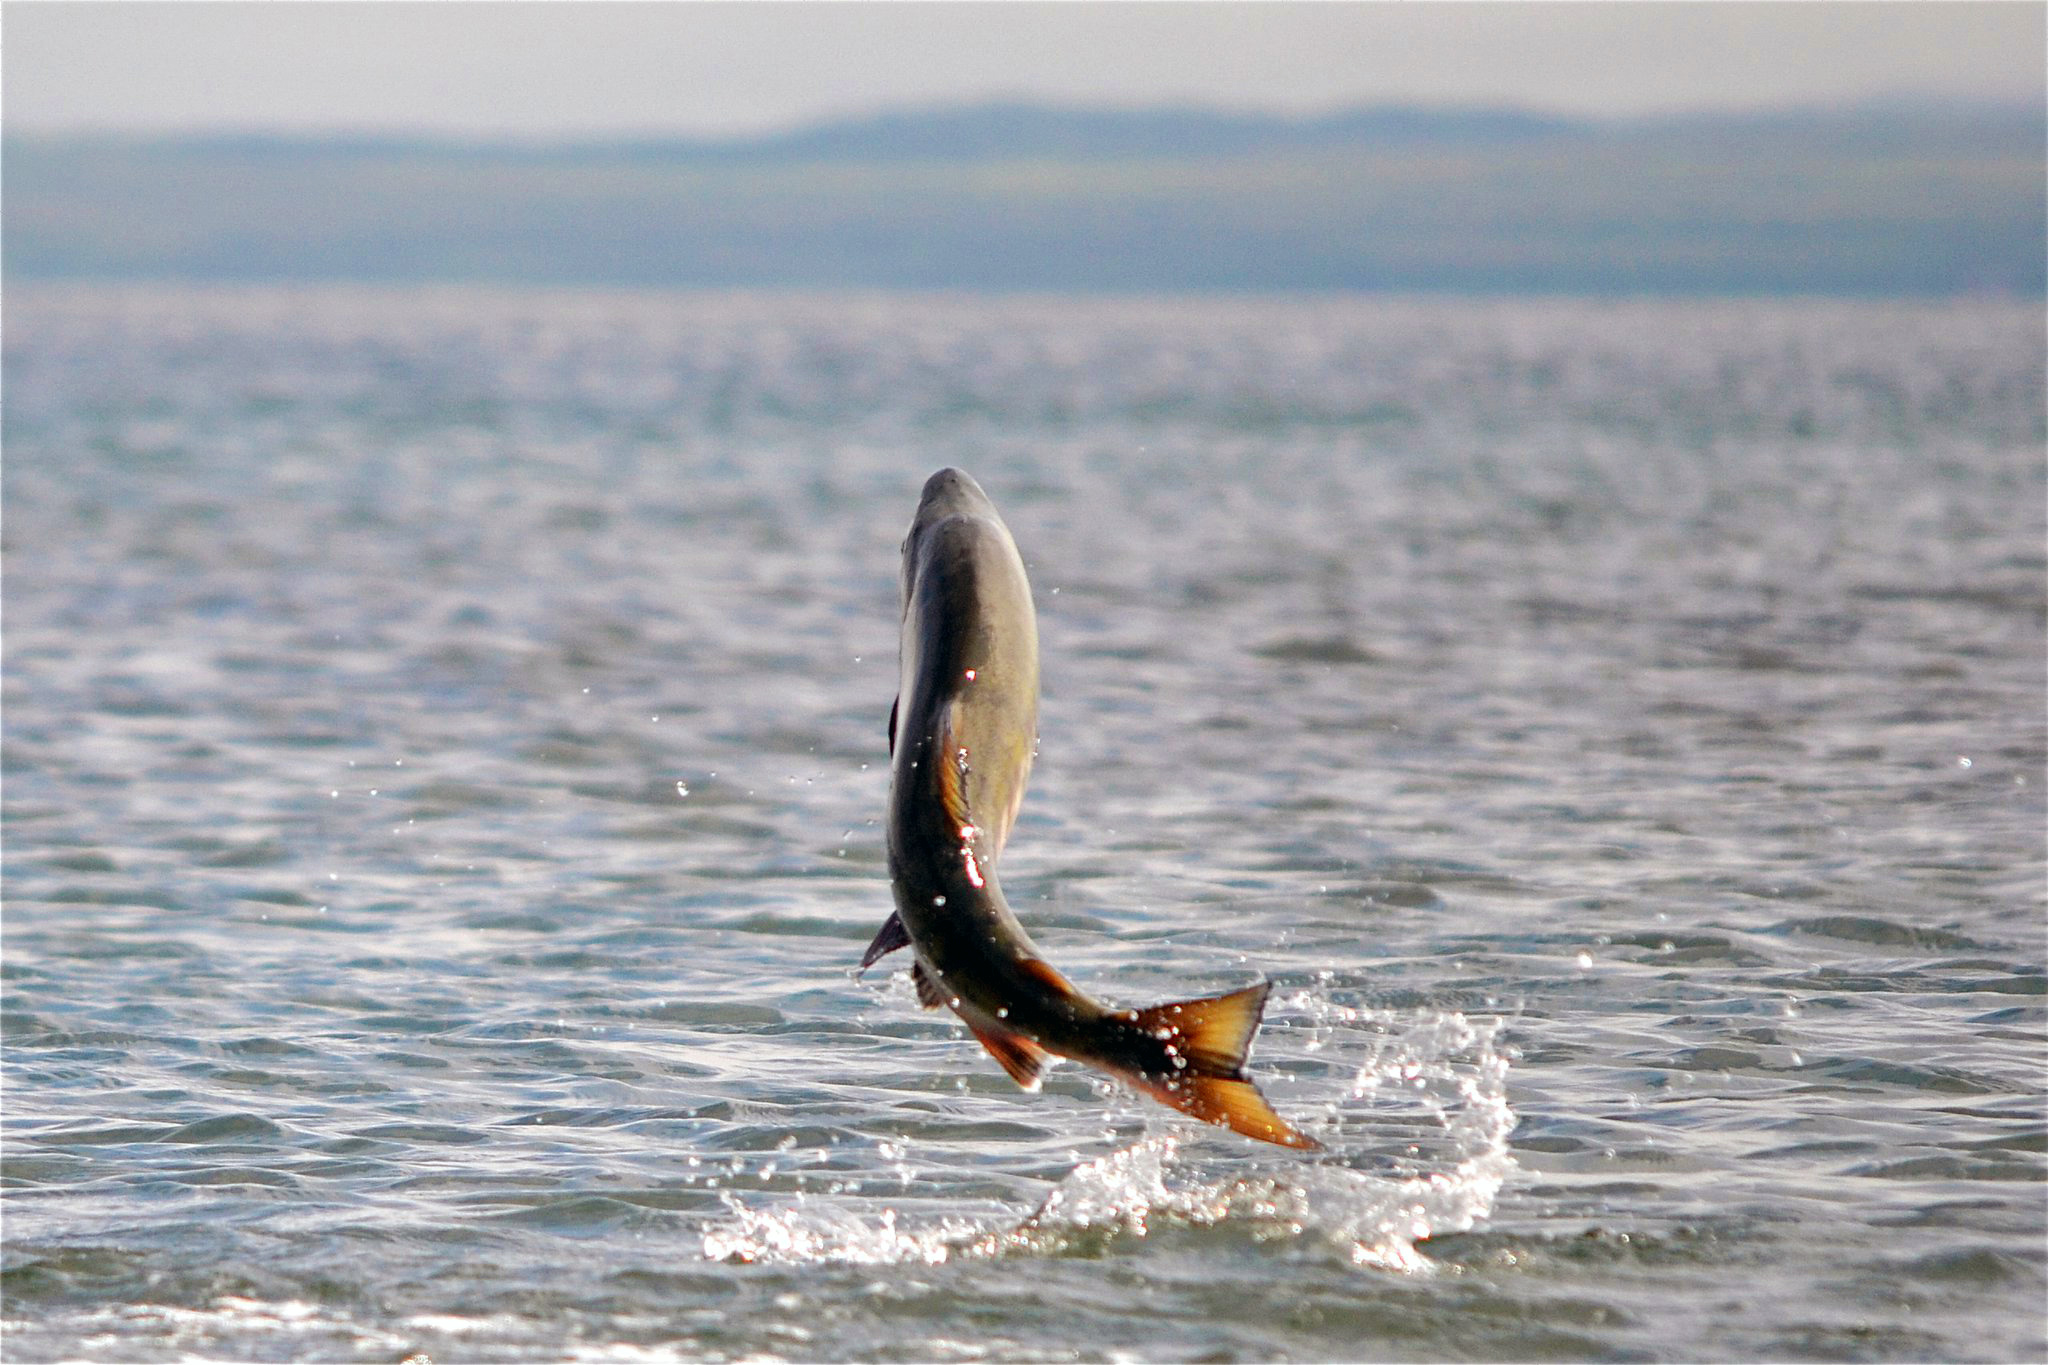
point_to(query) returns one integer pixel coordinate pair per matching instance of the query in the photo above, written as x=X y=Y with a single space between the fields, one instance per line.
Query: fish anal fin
x=1213 y=1035
x=930 y=993
x=1022 y=1058
x=888 y=939
x=1234 y=1104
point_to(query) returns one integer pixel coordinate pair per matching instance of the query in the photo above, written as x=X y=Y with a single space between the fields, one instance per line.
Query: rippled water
x=444 y=748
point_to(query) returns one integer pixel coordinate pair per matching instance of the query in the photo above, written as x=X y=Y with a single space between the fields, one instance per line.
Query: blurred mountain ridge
x=1887 y=197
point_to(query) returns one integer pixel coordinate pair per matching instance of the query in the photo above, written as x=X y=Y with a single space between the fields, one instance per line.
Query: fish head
x=967 y=664
x=949 y=494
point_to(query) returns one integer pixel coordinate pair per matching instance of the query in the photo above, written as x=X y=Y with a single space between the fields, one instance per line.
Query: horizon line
x=1278 y=118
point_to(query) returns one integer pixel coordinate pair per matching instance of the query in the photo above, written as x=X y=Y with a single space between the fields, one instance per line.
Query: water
x=444 y=748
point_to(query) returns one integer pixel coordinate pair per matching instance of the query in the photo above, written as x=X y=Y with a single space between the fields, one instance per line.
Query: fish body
x=962 y=737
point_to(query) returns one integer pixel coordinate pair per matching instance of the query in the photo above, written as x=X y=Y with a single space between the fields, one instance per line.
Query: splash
x=804 y=1232
x=1439 y=1080
x=1412 y=1109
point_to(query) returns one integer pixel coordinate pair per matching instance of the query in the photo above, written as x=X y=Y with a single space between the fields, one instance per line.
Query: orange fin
x=1214 y=1036
x=930 y=993
x=1234 y=1104
x=1022 y=1058
x=952 y=760
x=1041 y=971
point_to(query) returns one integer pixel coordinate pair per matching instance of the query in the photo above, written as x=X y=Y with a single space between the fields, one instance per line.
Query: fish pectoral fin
x=1214 y=1035
x=892 y=725
x=891 y=937
x=1022 y=1058
x=930 y=993
x=952 y=772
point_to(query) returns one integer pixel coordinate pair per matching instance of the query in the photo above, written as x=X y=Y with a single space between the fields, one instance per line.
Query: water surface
x=444 y=749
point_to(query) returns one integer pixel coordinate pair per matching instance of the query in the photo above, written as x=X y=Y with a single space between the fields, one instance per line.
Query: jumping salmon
x=961 y=739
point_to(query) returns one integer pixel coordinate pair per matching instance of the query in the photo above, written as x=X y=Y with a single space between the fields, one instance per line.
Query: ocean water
x=444 y=752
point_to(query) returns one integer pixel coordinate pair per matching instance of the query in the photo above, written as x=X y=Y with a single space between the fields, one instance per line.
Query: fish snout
x=949 y=493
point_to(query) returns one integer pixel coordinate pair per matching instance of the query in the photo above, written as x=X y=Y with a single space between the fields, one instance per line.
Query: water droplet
x=1585 y=961
x=682 y=789
x=938 y=900
x=1961 y=761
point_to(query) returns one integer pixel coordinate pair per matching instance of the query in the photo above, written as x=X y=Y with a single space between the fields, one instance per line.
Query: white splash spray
x=1437 y=1081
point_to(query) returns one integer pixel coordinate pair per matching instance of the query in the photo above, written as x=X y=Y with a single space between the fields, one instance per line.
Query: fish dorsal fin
x=930 y=993
x=891 y=936
x=1022 y=1058
x=1215 y=1034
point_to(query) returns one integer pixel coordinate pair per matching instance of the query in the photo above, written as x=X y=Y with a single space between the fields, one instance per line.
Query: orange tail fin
x=1214 y=1036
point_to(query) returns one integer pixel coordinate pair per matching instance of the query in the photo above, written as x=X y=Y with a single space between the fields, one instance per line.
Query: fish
x=962 y=736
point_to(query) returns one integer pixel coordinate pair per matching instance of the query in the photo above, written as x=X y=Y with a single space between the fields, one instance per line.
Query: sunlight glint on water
x=1564 y=703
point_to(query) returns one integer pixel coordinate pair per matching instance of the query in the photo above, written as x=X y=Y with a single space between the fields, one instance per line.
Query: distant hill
x=1028 y=131
x=1896 y=199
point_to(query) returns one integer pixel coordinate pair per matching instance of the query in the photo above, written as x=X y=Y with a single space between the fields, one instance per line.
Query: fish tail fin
x=1213 y=1037
x=1237 y=1105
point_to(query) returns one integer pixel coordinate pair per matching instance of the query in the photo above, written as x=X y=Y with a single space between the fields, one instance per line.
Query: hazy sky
x=576 y=69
